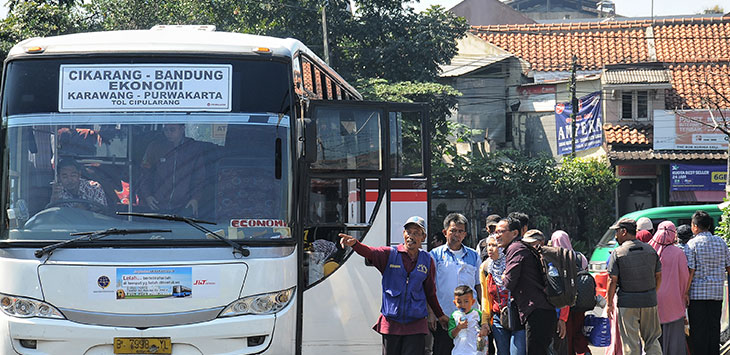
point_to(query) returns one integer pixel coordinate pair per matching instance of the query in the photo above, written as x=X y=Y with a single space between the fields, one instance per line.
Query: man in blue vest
x=408 y=286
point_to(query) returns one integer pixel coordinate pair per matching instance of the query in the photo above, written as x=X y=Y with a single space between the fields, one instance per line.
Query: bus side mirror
x=310 y=140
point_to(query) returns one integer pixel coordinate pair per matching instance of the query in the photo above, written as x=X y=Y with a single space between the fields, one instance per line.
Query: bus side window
x=326 y=201
x=333 y=204
x=406 y=136
x=348 y=139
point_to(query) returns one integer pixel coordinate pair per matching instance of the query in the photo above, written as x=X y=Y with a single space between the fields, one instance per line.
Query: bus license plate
x=142 y=346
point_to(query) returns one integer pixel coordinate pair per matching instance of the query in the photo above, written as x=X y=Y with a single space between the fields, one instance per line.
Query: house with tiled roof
x=483 y=73
x=488 y=12
x=657 y=77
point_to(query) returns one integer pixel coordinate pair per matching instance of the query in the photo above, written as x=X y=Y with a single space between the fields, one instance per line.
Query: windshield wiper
x=195 y=223
x=94 y=235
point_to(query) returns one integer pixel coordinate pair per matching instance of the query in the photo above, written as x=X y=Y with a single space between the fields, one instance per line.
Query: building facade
x=659 y=80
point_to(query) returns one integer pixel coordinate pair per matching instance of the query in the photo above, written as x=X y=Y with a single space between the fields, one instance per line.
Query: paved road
x=597 y=351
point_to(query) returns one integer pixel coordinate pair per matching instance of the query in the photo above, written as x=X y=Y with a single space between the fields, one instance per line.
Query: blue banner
x=589 y=125
x=684 y=177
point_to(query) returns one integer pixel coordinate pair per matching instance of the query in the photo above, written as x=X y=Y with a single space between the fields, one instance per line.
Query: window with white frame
x=635 y=105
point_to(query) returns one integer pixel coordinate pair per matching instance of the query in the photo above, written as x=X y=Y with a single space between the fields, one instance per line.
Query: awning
x=696 y=196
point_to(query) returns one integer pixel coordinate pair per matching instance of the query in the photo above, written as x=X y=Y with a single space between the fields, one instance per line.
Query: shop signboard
x=689 y=130
x=636 y=171
x=536 y=98
x=686 y=177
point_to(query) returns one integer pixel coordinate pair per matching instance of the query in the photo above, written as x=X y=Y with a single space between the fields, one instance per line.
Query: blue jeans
x=508 y=342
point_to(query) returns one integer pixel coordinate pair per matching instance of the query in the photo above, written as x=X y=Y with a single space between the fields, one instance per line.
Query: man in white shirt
x=456 y=265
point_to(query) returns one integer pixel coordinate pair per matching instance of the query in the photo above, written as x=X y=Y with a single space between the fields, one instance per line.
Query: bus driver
x=70 y=186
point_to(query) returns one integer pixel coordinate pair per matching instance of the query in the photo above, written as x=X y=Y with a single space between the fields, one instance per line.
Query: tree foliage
x=723 y=227
x=380 y=39
x=37 y=18
x=584 y=190
x=575 y=196
x=142 y=14
x=382 y=34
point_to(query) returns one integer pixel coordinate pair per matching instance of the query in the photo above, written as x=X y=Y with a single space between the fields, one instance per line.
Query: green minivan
x=678 y=215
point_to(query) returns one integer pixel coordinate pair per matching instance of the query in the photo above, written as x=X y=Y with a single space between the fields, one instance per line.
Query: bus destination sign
x=145 y=87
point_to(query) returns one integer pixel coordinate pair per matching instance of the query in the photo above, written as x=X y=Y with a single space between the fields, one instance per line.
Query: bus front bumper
x=270 y=334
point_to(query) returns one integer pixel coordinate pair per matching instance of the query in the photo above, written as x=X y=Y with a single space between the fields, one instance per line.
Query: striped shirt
x=708 y=256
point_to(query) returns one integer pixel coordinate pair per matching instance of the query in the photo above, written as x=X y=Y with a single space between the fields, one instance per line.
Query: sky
x=630 y=8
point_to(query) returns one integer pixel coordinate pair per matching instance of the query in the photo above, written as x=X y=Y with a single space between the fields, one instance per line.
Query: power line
x=598 y=35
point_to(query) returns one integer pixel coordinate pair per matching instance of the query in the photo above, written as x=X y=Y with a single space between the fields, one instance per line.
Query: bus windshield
x=69 y=172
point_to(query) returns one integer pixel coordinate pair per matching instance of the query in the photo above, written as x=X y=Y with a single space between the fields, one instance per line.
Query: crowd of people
x=492 y=299
x=675 y=279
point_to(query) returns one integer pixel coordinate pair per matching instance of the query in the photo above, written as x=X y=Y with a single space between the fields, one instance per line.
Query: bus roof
x=170 y=40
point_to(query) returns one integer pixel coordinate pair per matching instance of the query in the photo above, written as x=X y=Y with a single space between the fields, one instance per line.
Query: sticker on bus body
x=145 y=283
x=238 y=226
x=153 y=282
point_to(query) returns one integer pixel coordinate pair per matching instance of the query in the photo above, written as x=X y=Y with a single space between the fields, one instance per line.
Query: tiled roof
x=637 y=134
x=637 y=76
x=697 y=86
x=650 y=154
x=550 y=46
x=680 y=42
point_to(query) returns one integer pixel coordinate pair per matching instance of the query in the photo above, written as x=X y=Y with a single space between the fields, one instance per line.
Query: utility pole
x=324 y=33
x=573 y=103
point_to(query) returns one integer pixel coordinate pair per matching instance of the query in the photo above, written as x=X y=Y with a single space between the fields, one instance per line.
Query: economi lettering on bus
x=245 y=223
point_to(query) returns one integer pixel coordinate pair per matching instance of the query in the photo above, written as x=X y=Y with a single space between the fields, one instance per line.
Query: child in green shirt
x=465 y=324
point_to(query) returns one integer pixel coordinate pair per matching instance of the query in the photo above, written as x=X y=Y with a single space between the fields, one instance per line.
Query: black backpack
x=586 y=285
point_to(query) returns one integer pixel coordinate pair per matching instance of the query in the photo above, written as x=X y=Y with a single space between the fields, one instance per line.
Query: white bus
x=137 y=164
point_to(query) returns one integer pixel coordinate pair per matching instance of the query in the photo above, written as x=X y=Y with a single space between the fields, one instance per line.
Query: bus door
x=368 y=175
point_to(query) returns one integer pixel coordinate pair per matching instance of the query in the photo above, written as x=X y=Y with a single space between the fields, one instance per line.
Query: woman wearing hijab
x=644 y=236
x=577 y=342
x=672 y=296
x=495 y=296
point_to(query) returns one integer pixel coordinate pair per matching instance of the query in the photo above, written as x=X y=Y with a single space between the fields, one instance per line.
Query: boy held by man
x=465 y=324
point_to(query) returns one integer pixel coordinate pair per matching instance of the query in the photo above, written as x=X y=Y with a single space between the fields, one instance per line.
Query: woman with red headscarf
x=644 y=236
x=672 y=296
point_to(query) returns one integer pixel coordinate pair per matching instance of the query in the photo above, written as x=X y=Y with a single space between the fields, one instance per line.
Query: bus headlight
x=27 y=308
x=266 y=303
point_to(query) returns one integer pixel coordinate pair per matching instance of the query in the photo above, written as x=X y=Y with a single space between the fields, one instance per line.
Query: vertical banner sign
x=589 y=125
x=144 y=87
x=685 y=177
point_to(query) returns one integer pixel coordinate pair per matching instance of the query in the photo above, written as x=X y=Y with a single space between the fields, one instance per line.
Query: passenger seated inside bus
x=173 y=173
x=71 y=190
